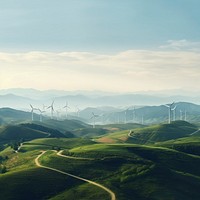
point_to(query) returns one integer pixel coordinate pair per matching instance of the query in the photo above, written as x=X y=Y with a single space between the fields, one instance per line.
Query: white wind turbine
x=66 y=109
x=52 y=109
x=78 y=111
x=41 y=112
x=185 y=115
x=126 y=112
x=174 y=113
x=134 y=114
x=94 y=117
x=32 y=111
x=169 y=106
x=181 y=115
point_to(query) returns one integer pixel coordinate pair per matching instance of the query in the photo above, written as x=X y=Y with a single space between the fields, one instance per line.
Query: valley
x=69 y=159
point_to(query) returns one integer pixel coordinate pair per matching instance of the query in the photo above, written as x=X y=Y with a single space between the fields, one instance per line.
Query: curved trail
x=195 y=132
x=71 y=157
x=112 y=194
x=129 y=135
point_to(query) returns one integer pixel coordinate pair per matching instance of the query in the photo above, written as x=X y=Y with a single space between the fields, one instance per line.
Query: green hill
x=26 y=132
x=89 y=132
x=189 y=145
x=120 y=127
x=48 y=143
x=63 y=126
x=135 y=172
x=11 y=115
x=163 y=132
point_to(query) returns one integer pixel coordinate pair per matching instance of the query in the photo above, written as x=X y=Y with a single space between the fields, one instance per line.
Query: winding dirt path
x=112 y=194
x=71 y=157
x=195 y=132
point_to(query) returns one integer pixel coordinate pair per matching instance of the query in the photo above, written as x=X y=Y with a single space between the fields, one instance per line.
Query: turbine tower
x=185 y=115
x=94 y=117
x=134 y=118
x=78 y=111
x=41 y=112
x=52 y=109
x=174 y=113
x=169 y=106
x=126 y=112
x=181 y=115
x=66 y=109
x=32 y=111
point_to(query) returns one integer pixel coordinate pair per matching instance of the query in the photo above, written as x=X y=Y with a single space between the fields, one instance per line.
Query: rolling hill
x=163 y=132
x=26 y=132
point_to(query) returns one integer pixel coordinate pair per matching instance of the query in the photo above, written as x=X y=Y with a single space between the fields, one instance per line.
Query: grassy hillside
x=26 y=132
x=189 y=145
x=11 y=115
x=163 y=132
x=89 y=132
x=63 y=126
x=132 y=171
x=49 y=143
x=135 y=172
x=116 y=137
x=120 y=127
x=23 y=180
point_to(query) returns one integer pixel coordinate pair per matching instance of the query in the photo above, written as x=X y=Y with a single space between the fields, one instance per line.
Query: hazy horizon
x=114 y=46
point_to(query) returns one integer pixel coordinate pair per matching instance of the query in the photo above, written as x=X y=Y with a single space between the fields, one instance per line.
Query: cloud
x=181 y=45
x=131 y=70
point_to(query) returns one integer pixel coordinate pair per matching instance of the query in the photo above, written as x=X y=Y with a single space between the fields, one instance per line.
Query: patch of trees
x=16 y=144
x=3 y=167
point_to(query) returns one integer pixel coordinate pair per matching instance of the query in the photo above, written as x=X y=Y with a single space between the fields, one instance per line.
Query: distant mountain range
x=22 y=98
x=106 y=115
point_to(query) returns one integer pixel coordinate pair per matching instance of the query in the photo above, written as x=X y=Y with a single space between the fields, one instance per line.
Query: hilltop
x=162 y=132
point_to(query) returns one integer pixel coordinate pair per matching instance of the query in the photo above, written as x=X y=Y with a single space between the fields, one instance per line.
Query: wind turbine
x=41 y=112
x=174 y=112
x=66 y=107
x=94 y=117
x=78 y=111
x=181 y=115
x=52 y=109
x=32 y=111
x=134 y=115
x=126 y=111
x=185 y=115
x=170 y=109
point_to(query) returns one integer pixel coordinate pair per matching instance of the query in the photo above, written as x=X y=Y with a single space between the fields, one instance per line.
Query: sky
x=107 y=45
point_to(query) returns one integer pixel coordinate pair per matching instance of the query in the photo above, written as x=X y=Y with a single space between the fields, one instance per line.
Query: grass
x=89 y=132
x=163 y=132
x=134 y=171
x=48 y=143
x=189 y=145
x=34 y=184
x=116 y=137
x=83 y=192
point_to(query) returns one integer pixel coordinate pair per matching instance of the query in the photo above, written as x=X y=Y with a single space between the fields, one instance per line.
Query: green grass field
x=167 y=169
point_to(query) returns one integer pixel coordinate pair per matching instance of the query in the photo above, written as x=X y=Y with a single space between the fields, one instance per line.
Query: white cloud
x=181 y=45
x=131 y=70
